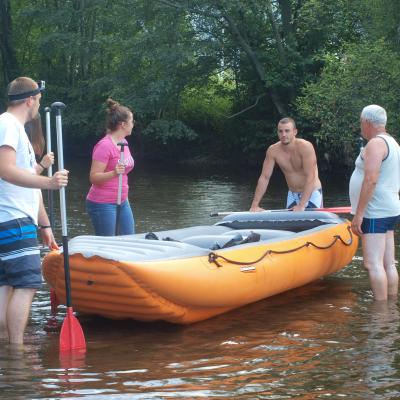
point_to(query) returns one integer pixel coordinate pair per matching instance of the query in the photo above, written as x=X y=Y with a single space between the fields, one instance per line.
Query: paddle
x=50 y=169
x=71 y=335
x=337 y=210
x=119 y=196
x=50 y=200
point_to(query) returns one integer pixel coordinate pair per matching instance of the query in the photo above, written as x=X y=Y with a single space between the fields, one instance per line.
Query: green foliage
x=263 y=135
x=168 y=139
x=381 y=20
x=367 y=73
x=225 y=69
x=206 y=108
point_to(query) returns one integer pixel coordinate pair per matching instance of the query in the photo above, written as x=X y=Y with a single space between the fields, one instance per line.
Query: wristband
x=45 y=226
x=42 y=165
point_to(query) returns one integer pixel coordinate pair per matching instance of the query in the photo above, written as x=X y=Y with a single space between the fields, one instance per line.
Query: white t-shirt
x=385 y=199
x=17 y=201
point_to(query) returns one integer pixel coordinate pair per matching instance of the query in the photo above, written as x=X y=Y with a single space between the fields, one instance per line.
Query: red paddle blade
x=73 y=359
x=71 y=335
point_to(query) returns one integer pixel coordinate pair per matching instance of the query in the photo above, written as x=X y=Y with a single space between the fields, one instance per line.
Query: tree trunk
x=255 y=62
x=10 y=64
x=278 y=38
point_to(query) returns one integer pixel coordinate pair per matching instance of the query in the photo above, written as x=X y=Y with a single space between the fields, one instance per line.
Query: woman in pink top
x=101 y=201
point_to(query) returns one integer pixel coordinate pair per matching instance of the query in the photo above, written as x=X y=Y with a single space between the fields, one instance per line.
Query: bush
x=167 y=139
x=363 y=74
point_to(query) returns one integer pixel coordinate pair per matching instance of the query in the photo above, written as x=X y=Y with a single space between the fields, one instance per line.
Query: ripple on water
x=325 y=340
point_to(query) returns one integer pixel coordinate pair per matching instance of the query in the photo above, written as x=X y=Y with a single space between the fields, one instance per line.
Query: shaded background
x=208 y=80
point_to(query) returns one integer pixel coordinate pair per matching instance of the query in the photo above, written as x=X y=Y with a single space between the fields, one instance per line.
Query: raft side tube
x=282 y=220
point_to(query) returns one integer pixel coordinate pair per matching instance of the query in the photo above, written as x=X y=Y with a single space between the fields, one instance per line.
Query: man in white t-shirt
x=21 y=211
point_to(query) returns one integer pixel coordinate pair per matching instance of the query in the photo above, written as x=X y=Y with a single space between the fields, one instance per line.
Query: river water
x=327 y=340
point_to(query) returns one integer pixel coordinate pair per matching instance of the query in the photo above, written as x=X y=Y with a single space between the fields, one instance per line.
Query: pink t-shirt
x=106 y=152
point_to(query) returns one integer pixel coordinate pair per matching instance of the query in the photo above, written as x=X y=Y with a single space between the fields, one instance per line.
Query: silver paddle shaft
x=121 y=161
x=60 y=156
x=48 y=140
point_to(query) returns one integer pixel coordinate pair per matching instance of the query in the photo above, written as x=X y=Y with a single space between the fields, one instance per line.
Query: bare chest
x=290 y=162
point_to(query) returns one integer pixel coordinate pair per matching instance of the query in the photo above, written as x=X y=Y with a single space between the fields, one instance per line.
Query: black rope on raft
x=213 y=257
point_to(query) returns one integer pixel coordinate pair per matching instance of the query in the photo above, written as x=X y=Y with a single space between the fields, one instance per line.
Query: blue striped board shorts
x=19 y=254
x=315 y=201
x=378 y=225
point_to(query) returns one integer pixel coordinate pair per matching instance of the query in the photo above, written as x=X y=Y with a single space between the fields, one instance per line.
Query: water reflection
x=17 y=366
x=325 y=340
x=318 y=341
x=254 y=350
x=382 y=374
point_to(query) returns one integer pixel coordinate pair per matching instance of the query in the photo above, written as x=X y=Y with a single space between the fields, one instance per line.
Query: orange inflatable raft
x=191 y=274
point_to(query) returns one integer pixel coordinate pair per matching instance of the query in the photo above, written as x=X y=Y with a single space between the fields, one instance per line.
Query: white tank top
x=385 y=199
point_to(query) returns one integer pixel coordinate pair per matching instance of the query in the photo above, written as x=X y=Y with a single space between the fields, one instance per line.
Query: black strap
x=387 y=145
x=25 y=95
x=151 y=236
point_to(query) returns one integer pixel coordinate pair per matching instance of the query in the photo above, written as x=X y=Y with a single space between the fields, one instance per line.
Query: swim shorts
x=19 y=254
x=378 y=225
x=315 y=201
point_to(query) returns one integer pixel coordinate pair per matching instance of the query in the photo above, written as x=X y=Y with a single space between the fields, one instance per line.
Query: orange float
x=195 y=273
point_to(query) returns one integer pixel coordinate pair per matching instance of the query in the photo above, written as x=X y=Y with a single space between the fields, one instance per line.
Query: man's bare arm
x=21 y=177
x=46 y=233
x=374 y=153
x=263 y=180
x=43 y=218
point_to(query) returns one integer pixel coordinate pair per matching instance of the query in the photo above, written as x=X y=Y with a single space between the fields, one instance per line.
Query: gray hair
x=374 y=114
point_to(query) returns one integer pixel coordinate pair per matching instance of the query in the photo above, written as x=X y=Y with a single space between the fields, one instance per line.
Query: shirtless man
x=298 y=162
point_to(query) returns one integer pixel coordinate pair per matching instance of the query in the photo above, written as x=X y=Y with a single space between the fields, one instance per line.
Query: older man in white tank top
x=374 y=196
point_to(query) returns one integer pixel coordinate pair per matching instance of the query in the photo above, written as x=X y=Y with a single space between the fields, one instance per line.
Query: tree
x=361 y=74
x=10 y=67
x=153 y=55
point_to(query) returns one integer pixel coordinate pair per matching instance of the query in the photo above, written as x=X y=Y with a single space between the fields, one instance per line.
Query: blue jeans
x=104 y=215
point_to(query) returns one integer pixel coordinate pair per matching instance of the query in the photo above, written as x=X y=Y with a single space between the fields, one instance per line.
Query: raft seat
x=179 y=234
x=220 y=241
x=208 y=241
x=264 y=233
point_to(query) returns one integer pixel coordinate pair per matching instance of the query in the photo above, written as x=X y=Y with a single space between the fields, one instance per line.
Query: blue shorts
x=19 y=254
x=378 y=225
